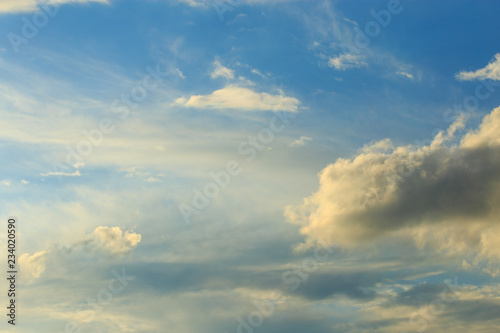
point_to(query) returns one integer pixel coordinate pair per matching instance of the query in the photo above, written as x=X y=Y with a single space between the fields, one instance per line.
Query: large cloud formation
x=445 y=194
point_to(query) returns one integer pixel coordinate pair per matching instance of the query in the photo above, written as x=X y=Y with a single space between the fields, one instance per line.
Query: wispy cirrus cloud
x=405 y=74
x=347 y=61
x=75 y=173
x=491 y=71
x=221 y=71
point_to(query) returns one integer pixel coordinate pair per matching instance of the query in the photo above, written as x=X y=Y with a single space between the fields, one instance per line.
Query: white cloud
x=152 y=180
x=347 y=61
x=255 y=71
x=350 y=21
x=405 y=74
x=491 y=71
x=5 y=182
x=220 y=70
x=75 y=173
x=232 y=97
x=32 y=266
x=23 y=181
x=108 y=239
x=488 y=134
x=381 y=146
x=132 y=171
x=20 y=6
x=179 y=73
x=115 y=241
x=441 y=196
x=195 y=3
x=300 y=141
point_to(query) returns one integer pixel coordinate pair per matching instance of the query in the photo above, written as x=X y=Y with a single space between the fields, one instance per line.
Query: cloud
x=233 y=97
x=103 y=239
x=300 y=142
x=444 y=196
x=220 y=70
x=179 y=73
x=76 y=173
x=488 y=134
x=22 y=6
x=115 y=241
x=195 y=3
x=408 y=75
x=350 y=21
x=152 y=180
x=256 y=71
x=346 y=61
x=32 y=266
x=491 y=71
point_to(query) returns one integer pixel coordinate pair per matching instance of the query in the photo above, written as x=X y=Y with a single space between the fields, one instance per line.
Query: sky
x=251 y=165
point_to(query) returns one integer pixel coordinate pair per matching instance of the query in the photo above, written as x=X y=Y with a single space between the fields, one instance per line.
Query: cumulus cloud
x=115 y=241
x=347 y=61
x=22 y=6
x=32 y=266
x=442 y=195
x=220 y=70
x=491 y=71
x=110 y=240
x=233 y=97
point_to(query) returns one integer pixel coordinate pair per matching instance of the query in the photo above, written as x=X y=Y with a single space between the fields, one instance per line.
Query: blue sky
x=284 y=166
